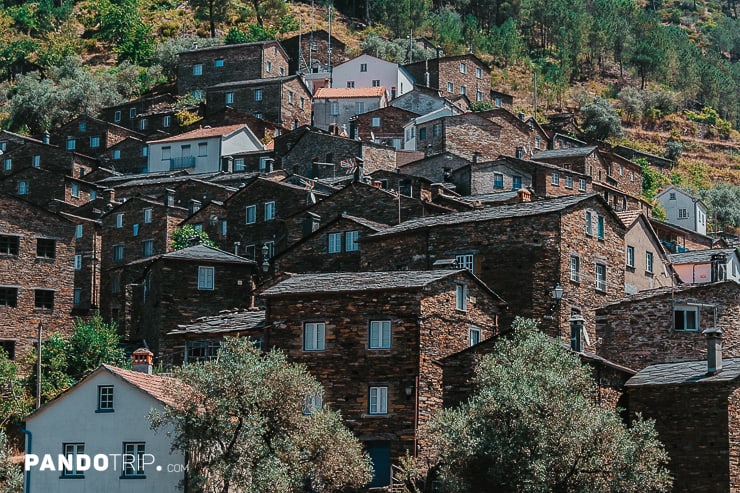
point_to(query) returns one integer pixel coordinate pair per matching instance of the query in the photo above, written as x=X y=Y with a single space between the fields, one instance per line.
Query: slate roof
x=235 y=321
x=523 y=209
x=628 y=217
x=564 y=153
x=254 y=82
x=346 y=92
x=342 y=282
x=699 y=256
x=203 y=133
x=198 y=253
x=375 y=226
x=490 y=197
x=668 y=290
x=685 y=373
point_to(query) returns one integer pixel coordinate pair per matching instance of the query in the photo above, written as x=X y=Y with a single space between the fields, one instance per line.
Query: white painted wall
x=696 y=219
x=390 y=75
x=322 y=116
x=702 y=273
x=72 y=419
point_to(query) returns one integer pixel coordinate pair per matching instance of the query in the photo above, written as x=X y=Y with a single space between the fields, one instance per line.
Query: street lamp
x=265 y=257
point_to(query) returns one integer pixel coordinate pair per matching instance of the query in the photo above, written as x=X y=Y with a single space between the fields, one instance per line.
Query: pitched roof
x=690 y=372
x=203 y=133
x=347 y=92
x=198 y=253
x=523 y=209
x=343 y=282
x=628 y=217
x=157 y=386
x=682 y=289
x=375 y=226
x=254 y=82
x=565 y=153
x=235 y=321
x=699 y=256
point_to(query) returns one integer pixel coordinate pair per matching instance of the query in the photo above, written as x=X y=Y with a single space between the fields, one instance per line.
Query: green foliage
x=187 y=236
x=532 y=426
x=652 y=179
x=600 y=120
x=482 y=106
x=166 y=53
x=93 y=342
x=631 y=103
x=241 y=420
x=255 y=32
x=673 y=149
x=11 y=475
x=707 y=115
x=393 y=51
x=121 y=23
x=692 y=175
x=505 y=43
x=723 y=202
x=16 y=401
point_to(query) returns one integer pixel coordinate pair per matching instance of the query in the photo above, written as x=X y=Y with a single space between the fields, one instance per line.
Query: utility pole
x=38 y=366
x=535 y=96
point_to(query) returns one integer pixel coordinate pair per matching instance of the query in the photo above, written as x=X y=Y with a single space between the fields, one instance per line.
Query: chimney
x=46 y=137
x=713 y=336
x=439 y=52
x=109 y=195
x=523 y=195
x=169 y=197
x=194 y=206
x=719 y=261
x=426 y=78
x=521 y=116
x=476 y=154
x=227 y=164
x=576 y=332
x=141 y=360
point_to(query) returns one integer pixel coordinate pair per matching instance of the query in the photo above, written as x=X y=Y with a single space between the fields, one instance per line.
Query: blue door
x=380 y=454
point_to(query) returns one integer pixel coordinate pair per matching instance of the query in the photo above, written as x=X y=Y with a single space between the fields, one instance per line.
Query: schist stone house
x=37 y=259
x=373 y=339
x=337 y=106
x=701 y=266
x=521 y=251
x=106 y=413
x=454 y=75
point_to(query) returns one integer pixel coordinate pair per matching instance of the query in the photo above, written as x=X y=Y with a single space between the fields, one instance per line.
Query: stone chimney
x=476 y=156
x=523 y=195
x=194 y=206
x=576 y=332
x=141 y=360
x=109 y=195
x=713 y=336
x=439 y=52
x=46 y=137
x=169 y=197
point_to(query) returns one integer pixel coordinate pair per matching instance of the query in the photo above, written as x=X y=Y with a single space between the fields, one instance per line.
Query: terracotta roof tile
x=157 y=386
x=355 y=92
x=202 y=133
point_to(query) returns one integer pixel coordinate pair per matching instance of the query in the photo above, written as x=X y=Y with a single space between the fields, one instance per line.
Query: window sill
x=630 y=268
x=141 y=476
x=600 y=291
x=105 y=411
x=72 y=476
x=368 y=415
x=43 y=310
x=575 y=281
x=649 y=274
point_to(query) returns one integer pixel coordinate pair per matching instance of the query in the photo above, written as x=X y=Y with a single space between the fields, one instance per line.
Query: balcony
x=182 y=162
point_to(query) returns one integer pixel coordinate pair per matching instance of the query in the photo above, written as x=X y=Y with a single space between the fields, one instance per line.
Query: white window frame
x=117 y=116
x=118 y=252
x=600 y=277
x=166 y=121
x=630 y=256
x=334 y=241
x=147 y=216
x=461 y=297
x=649 y=262
x=258 y=94
x=581 y=184
x=314 y=336
x=683 y=213
x=206 y=278
x=350 y=241
x=685 y=310
x=589 y=224
x=568 y=181
x=70 y=452
x=119 y=220
x=379 y=334
x=474 y=336
x=478 y=73
x=78 y=261
x=250 y=212
x=466 y=261
x=147 y=248
x=36 y=161
x=378 y=400
x=555 y=179
x=270 y=210
x=450 y=87
x=334 y=108
x=135 y=468
x=463 y=68
x=575 y=268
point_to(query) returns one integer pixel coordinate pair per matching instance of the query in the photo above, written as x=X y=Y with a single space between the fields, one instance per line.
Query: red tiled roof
x=354 y=92
x=202 y=133
x=159 y=387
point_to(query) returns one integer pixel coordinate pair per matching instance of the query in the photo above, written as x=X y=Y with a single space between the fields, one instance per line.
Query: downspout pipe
x=29 y=443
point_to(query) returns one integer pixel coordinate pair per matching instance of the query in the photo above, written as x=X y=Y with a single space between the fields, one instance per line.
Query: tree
x=632 y=103
x=187 y=236
x=723 y=202
x=15 y=401
x=212 y=10
x=246 y=425
x=600 y=121
x=93 y=343
x=533 y=426
x=11 y=476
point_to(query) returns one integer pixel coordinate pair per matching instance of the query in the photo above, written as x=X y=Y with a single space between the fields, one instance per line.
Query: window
x=450 y=87
x=335 y=242
x=478 y=96
x=683 y=213
x=118 y=253
x=205 y=278
x=258 y=94
x=378 y=400
x=269 y=211
x=437 y=130
x=575 y=269
x=251 y=214
x=350 y=84
x=78 y=262
x=363 y=67
x=581 y=184
x=147 y=216
x=224 y=227
x=463 y=90
x=75 y=190
x=147 y=248
x=116 y=154
x=423 y=133
x=600 y=226
x=198 y=94
x=686 y=318
x=334 y=108
x=8 y=296
x=70 y=452
x=82 y=126
x=166 y=121
x=71 y=143
x=359 y=107
x=601 y=277
x=268 y=66
x=380 y=334
x=520 y=152
x=115 y=282
x=77 y=297
x=46 y=248
x=239 y=164
x=376 y=83
x=312 y=402
x=375 y=121
x=649 y=262
x=498 y=180
x=3 y=145
x=201 y=350
x=44 y=299
x=478 y=72
x=202 y=149
x=36 y=161
x=23 y=187
x=133 y=459
x=9 y=245
x=143 y=124
x=568 y=181
x=219 y=62
x=229 y=99
x=474 y=336
x=672 y=196
x=258 y=114
x=78 y=231
x=461 y=297
x=303 y=102
x=166 y=153
x=314 y=336
x=119 y=220
x=350 y=241
x=466 y=261
x=516 y=182
x=117 y=116
x=463 y=68
x=8 y=164
x=630 y=256
x=94 y=141
x=132 y=113
x=270 y=248
x=555 y=179
x=632 y=176
x=589 y=227
x=198 y=69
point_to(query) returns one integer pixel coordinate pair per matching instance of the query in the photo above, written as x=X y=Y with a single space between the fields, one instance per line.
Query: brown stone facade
x=455 y=75
x=130 y=156
x=86 y=264
x=35 y=154
x=37 y=275
x=201 y=68
x=382 y=126
x=641 y=330
x=90 y=136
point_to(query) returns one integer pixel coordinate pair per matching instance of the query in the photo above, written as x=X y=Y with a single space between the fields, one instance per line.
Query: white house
x=101 y=427
x=409 y=130
x=702 y=266
x=201 y=150
x=369 y=71
x=683 y=209
x=336 y=106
